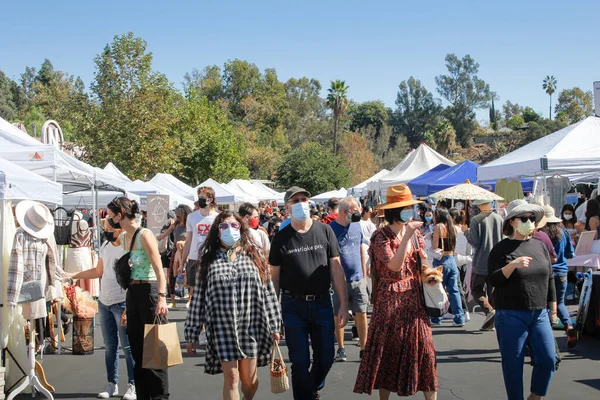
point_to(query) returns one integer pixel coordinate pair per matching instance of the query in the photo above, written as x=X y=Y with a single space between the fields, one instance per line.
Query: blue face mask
x=428 y=219
x=406 y=215
x=301 y=211
x=230 y=235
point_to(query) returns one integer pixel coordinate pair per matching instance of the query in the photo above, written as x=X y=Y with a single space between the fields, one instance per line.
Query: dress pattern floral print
x=400 y=355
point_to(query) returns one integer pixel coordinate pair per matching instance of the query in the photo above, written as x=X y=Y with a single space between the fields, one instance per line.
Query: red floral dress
x=400 y=355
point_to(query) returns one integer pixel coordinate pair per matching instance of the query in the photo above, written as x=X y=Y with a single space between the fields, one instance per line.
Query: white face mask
x=568 y=217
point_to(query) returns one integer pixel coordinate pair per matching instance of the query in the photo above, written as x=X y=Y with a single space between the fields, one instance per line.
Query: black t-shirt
x=303 y=258
x=529 y=288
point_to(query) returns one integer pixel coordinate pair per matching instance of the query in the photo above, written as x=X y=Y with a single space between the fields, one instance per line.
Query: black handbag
x=122 y=266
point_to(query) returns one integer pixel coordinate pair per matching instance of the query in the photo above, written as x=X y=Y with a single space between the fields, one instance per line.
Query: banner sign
x=597 y=98
x=157 y=207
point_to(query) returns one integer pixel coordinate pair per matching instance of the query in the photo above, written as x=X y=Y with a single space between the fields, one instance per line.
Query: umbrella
x=466 y=191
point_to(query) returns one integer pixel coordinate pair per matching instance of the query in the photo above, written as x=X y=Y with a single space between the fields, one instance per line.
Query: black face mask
x=110 y=236
x=202 y=202
x=113 y=224
x=356 y=217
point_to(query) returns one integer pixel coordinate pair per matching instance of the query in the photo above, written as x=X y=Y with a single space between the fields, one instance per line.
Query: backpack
x=62 y=226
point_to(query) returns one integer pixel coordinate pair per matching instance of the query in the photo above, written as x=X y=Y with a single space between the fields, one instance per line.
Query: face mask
x=253 y=223
x=202 y=202
x=301 y=211
x=229 y=236
x=428 y=219
x=406 y=215
x=113 y=224
x=568 y=217
x=526 y=228
x=110 y=236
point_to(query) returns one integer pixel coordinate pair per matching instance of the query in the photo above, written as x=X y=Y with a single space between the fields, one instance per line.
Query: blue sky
x=373 y=45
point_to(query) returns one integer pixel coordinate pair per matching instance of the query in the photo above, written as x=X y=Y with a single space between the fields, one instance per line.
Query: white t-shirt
x=367 y=228
x=199 y=225
x=110 y=292
x=261 y=239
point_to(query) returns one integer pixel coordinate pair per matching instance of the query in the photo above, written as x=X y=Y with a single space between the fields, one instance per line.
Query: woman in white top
x=111 y=306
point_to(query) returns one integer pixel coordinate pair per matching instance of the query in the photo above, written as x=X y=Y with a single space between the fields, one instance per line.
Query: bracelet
x=160 y=294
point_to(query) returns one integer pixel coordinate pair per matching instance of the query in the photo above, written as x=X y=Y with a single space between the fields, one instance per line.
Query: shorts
x=191 y=272
x=358 y=299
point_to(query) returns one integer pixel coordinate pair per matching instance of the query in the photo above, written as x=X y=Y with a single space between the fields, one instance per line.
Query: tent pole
x=3 y=231
x=544 y=187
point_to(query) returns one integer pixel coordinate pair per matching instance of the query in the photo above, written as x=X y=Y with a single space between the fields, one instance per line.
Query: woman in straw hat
x=521 y=273
x=399 y=356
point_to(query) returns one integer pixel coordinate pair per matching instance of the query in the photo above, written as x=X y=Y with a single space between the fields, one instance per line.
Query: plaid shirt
x=239 y=311
x=27 y=258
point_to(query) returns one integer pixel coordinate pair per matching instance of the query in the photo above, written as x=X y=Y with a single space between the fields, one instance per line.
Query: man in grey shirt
x=485 y=230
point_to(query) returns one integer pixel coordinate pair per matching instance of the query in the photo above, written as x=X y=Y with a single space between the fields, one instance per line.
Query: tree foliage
x=574 y=105
x=387 y=154
x=358 y=158
x=8 y=107
x=337 y=101
x=549 y=86
x=368 y=113
x=314 y=168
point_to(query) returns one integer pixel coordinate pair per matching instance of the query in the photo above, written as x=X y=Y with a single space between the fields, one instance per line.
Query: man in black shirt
x=304 y=256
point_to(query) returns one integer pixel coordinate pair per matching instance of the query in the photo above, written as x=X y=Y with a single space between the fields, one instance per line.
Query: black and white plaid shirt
x=238 y=310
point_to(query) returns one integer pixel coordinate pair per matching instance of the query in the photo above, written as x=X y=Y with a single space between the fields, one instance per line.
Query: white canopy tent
x=340 y=194
x=275 y=194
x=18 y=183
x=250 y=189
x=226 y=194
x=12 y=134
x=357 y=191
x=572 y=150
x=416 y=163
x=113 y=170
x=85 y=200
x=143 y=189
x=174 y=185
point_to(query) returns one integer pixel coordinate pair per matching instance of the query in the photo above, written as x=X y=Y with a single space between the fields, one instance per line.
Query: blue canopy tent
x=418 y=186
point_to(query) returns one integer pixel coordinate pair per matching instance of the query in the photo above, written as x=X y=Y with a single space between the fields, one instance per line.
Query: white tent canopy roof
x=340 y=194
x=18 y=183
x=252 y=190
x=572 y=150
x=275 y=194
x=357 y=190
x=113 y=170
x=174 y=185
x=416 y=163
x=226 y=194
x=84 y=200
x=12 y=134
x=143 y=189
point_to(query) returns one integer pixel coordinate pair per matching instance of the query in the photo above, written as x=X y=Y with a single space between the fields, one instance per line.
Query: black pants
x=479 y=287
x=462 y=286
x=150 y=384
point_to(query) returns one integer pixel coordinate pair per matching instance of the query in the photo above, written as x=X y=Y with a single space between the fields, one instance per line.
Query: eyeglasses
x=225 y=225
x=526 y=218
x=298 y=200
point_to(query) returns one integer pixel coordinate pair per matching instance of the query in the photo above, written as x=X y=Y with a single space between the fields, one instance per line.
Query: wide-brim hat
x=398 y=196
x=549 y=217
x=481 y=202
x=518 y=207
x=35 y=219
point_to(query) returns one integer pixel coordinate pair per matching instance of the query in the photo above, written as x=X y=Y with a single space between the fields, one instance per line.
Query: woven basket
x=279 y=379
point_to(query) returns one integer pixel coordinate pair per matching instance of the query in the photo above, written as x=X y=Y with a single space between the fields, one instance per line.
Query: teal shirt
x=141 y=267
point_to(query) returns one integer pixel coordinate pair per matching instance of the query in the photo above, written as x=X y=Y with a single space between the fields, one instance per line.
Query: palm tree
x=550 y=87
x=338 y=102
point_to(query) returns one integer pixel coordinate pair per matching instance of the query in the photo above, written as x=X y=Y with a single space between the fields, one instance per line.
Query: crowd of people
x=301 y=270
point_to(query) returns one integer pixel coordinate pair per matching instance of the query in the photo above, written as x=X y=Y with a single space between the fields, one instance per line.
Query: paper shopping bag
x=161 y=346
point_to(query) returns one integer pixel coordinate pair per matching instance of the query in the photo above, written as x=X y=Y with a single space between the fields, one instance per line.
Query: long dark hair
x=212 y=245
x=554 y=231
x=592 y=210
x=183 y=210
x=458 y=216
x=442 y=216
x=568 y=207
x=127 y=208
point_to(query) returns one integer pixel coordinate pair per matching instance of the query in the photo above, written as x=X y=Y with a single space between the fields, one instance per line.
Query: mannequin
x=32 y=260
x=79 y=252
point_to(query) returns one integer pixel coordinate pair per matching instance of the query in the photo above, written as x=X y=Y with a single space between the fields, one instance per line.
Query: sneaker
x=171 y=305
x=354 y=332
x=437 y=323
x=572 y=338
x=448 y=316
x=488 y=324
x=341 y=355
x=467 y=316
x=558 y=325
x=570 y=297
x=202 y=340
x=130 y=393
x=457 y=325
x=360 y=354
x=112 y=389
x=187 y=305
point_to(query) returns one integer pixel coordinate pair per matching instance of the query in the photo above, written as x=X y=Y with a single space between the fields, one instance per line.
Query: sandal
x=572 y=338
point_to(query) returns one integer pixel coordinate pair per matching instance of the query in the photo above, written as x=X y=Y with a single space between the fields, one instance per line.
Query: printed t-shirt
x=110 y=291
x=199 y=225
x=303 y=258
x=349 y=238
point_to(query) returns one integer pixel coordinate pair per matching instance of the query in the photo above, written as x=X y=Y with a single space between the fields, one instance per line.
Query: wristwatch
x=162 y=294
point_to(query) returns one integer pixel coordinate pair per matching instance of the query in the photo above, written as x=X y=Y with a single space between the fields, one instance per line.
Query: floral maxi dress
x=400 y=355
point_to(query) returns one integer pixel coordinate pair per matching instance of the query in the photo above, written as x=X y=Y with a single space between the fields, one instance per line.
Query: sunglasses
x=225 y=225
x=526 y=218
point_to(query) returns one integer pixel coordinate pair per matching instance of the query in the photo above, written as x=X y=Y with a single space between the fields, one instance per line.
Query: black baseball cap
x=293 y=191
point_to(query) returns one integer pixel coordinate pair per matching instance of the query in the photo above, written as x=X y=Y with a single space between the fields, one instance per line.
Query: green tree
x=305 y=118
x=515 y=122
x=211 y=147
x=493 y=122
x=208 y=83
x=442 y=138
x=357 y=157
x=337 y=101
x=509 y=110
x=134 y=109
x=7 y=103
x=530 y=115
x=549 y=85
x=574 y=104
x=542 y=128
x=314 y=168
x=416 y=113
x=465 y=92
x=240 y=80
x=387 y=154
x=368 y=113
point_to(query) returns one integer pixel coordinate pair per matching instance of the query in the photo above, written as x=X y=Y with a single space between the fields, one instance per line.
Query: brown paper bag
x=161 y=346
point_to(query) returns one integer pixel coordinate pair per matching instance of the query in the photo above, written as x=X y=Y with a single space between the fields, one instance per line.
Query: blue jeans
x=451 y=281
x=560 y=283
x=303 y=320
x=514 y=330
x=113 y=332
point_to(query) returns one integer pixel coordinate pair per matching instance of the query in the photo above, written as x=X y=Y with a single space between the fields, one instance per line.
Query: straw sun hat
x=398 y=196
x=35 y=219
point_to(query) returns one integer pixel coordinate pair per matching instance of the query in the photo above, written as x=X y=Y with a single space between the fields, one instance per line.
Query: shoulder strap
x=133 y=238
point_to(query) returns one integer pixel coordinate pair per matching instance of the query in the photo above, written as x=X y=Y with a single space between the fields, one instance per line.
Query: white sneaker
x=448 y=316
x=130 y=393
x=112 y=389
x=202 y=339
x=467 y=317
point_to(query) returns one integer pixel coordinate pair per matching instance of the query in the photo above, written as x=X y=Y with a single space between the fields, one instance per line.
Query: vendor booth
x=357 y=191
